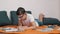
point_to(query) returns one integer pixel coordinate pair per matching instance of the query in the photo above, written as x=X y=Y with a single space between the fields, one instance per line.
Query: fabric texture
x=14 y=18
x=50 y=21
x=4 y=20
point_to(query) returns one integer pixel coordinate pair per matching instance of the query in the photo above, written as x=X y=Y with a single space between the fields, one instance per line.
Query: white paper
x=11 y=29
x=46 y=30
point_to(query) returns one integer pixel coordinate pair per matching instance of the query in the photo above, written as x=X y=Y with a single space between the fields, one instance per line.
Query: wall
x=49 y=7
x=59 y=9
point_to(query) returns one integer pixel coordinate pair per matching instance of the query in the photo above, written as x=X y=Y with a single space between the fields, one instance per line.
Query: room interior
x=50 y=8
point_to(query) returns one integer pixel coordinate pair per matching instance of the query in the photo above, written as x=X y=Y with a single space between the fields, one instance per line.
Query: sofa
x=4 y=20
x=46 y=21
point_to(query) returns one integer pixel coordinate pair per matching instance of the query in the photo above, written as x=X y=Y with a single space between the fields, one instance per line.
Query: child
x=25 y=20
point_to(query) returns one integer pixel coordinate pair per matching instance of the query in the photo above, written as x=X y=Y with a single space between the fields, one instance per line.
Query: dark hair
x=20 y=10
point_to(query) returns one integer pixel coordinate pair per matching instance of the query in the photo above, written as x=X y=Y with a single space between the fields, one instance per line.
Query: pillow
x=29 y=12
x=50 y=21
x=14 y=18
x=4 y=20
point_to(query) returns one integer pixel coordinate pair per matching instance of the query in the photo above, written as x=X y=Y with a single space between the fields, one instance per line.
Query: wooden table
x=31 y=31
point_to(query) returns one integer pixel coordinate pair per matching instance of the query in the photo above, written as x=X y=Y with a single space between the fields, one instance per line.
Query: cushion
x=14 y=18
x=50 y=21
x=4 y=20
x=29 y=12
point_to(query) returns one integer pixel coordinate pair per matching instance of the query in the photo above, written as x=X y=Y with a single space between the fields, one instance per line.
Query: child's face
x=23 y=16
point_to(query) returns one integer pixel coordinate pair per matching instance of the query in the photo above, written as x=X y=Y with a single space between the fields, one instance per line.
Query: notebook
x=10 y=29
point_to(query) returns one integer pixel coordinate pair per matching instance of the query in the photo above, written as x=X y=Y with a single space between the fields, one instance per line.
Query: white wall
x=59 y=9
x=49 y=7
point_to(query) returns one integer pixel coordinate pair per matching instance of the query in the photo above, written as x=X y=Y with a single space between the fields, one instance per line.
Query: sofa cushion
x=50 y=21
x=29 y=12
x=14 y=18
x=4 y=20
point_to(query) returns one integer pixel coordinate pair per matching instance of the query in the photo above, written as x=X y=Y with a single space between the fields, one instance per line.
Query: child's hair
x=20 y=10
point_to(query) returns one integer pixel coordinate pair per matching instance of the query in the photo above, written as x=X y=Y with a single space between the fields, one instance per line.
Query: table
x=31 y=31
